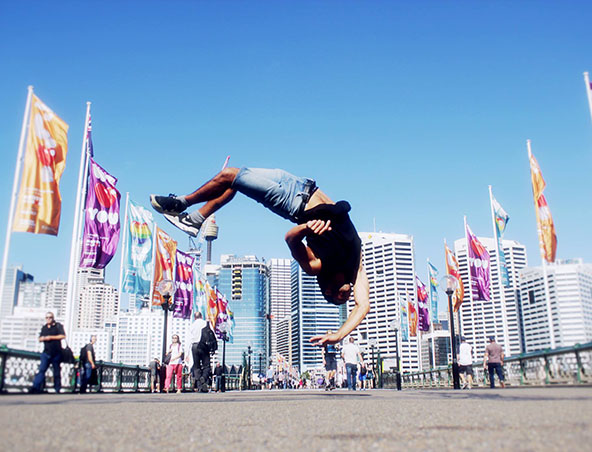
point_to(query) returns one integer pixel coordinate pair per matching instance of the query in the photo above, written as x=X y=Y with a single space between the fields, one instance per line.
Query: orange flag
x=412 y=319
x=545 y=225
x=39 y=201
x=164 y=262
x=453 y=269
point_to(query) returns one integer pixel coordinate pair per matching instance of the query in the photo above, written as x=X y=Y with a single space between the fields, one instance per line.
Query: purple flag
x=478 y=267
x=422 y=306
x=101 y=219
x=183 y=285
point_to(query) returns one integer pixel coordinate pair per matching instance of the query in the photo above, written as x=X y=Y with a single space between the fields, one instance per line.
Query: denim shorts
x=278 y=190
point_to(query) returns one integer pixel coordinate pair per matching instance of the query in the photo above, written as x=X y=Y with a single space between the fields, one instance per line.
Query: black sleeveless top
x=338 y=249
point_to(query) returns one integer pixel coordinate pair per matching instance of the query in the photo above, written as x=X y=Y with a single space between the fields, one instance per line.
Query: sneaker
x=183 y=222
x=167 y=204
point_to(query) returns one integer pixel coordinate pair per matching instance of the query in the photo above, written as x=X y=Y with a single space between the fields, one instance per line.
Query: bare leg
x=215 y=189
x=214 y=204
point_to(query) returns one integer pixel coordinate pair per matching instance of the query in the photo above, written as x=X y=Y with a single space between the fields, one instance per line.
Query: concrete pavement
x=516 y=419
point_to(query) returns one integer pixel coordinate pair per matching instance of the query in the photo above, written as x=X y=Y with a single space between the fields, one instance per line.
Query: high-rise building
x=389 y=262
x=279 y=299
x=103 y=347
x=15 y=276
x=283 y=348
x=570 y=296
x=311 y=316
x=138 y=337
x=495 y=317
x=21 y=329
x=98 y=302
x=56 y=296
x=245 y=282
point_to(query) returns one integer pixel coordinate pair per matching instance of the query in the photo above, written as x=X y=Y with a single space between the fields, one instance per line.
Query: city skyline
x=408 y=121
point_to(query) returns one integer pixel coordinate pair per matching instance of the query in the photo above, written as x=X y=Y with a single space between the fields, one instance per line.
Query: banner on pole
x=501 y=219
x=433 y=278
x=422 y=306
x=479 y=266
x=164 y=262
x=101 y=219
x=137 y=263
x=404 y=320
x=545 y=225
x=183 y=285
x=39 y=202
x=412 y=319
x=453 y=269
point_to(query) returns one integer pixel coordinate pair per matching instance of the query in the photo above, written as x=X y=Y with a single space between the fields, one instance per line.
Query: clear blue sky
x=406 y=109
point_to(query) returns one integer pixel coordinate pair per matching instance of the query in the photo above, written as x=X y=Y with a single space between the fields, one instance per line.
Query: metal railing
x=19 y=367
x=566 y=366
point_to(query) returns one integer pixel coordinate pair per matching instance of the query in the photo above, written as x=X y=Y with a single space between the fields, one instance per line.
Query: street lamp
x=250 y=374
x=166 y=289
x=398 y=373
x=450 y=283
x=223 y=328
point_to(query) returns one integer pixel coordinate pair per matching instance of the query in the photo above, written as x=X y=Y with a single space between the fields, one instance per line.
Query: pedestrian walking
x=330 y=363
x=332 y=251
x=351 y=356
x=465 y=363
x=51 y=335
x=218 y=373
x=87 y=364
x=201 y=343
x=154 y=375
x=175 y=365
x=493 y=360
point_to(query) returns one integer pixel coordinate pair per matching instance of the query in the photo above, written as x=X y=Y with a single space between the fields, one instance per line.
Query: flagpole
x=13 y=197
x=588 y=91
x=470 y=288
x=154 y=244
x=432 y=319
x=499 y=275
x=71 y=300
x=123 y=250
x=544 y=261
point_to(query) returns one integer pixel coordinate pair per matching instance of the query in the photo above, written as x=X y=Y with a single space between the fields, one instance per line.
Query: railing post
x=522 y=372
x=100 y=376
x=580 y=370
x=137 y=379
x=547 y=370
x=3 y=370
x=119 y=379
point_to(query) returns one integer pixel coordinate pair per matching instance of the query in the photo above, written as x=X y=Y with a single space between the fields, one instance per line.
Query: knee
x=227 y=175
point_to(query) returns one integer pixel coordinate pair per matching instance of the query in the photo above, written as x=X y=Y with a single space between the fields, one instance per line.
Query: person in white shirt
x=197 y=359
x=351 y=354
x=465 y=363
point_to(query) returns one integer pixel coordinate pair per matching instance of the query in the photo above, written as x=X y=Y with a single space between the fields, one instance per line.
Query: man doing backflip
x=332 y=251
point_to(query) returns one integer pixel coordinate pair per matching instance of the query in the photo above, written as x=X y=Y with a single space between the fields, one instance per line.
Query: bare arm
x=302 y=253
x=90 y=358
x=361 y=308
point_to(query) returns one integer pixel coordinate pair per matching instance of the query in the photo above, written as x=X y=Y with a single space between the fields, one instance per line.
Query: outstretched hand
x=329 y=338
x=318 y=227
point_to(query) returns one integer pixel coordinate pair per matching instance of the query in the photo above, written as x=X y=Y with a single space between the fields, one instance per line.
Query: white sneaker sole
x=179 y=222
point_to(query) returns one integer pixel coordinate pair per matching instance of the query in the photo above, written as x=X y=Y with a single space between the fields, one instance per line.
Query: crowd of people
x=344 y=367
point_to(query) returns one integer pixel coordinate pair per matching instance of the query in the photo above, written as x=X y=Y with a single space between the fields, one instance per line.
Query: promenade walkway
x=516 y=419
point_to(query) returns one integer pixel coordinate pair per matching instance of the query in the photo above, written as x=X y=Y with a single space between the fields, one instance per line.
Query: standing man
x=351 y=354
x=494 y=361
x=332 y=251
x=465 y=363
x=330 y=363
x=199 y=346
x=87 y=363
x=51 y=335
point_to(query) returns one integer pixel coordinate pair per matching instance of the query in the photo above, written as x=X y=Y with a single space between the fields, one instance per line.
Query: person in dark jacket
x=51 y=335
